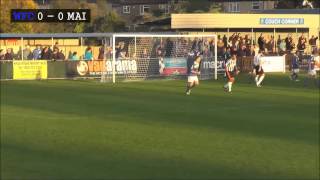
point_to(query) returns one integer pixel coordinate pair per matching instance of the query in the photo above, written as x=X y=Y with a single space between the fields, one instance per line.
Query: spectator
x=250 y=52
x=121 y=51
x=45 y=54
x=74 y=56
x=169 y=47
x=270 y=45
x=56 y=46
x=282 y=47
x=242 y=52
x=36 y=54
x=145 y=53
x=70 y=55
x=248 y=41
x=61 y=56
x=278 y=43
x=225 y=41
x=289 y=43
x=301 y=45
x=2 y=54
x=220 y=47
x=101 y=53
x=88 y=54
x=227 y=54
x=313 y=43
x=57 y=55
x=261 y=42
x=27 y=54
x=9 y=55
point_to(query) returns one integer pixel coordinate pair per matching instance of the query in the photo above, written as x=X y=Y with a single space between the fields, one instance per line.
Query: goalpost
x=138 y=56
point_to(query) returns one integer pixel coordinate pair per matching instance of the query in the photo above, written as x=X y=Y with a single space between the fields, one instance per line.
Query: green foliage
x=102 y=17
x=79 y=28
x=5 y=20
x=197 y=6
x=111 y=22
x=157 y=12
x=289 y=4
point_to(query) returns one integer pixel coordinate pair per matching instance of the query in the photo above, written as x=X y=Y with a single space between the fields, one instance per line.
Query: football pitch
x=65 y=129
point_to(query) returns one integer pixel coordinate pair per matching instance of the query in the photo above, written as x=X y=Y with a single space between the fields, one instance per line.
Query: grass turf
x=66 y=129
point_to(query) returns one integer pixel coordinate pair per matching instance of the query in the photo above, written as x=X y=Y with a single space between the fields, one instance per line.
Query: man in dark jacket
x=9 y=54
x=261 y=42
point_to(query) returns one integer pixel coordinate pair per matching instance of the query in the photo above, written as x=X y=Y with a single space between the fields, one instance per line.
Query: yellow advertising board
x=30 y=69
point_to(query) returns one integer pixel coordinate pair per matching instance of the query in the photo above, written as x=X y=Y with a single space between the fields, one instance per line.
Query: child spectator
x=74 y=56
x=88 y=54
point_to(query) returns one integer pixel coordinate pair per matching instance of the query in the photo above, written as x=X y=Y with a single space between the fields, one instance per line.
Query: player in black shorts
x=231 y=71
x=258 y=68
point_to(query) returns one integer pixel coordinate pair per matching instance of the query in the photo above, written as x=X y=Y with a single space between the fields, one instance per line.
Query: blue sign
x=175 y=62
x=281 y=21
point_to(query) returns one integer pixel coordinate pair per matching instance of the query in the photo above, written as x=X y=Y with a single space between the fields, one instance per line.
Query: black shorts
x=257 y=70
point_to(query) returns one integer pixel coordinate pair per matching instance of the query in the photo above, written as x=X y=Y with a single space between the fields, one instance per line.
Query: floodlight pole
x=252 y=37
x=81 y=47
x=113 y=58
x=105 y=49
x=52 y=43
x=216 y=58
x=21 y=44
x=135 y=46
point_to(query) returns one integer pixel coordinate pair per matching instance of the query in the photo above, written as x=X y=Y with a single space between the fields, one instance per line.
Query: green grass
x=64 y=129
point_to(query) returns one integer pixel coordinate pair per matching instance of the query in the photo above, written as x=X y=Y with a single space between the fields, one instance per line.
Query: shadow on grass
x=25 y=162
x=275 y=117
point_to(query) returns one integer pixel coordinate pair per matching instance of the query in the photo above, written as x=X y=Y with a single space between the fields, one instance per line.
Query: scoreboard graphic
x=50 y=15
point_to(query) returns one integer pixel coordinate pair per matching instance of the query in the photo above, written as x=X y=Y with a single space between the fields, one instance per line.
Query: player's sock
x=188 y=88
x=256 y=79
x=260 y=80
x=229 y=86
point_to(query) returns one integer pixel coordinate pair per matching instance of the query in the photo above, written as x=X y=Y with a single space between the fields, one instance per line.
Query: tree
x=5 y=18
x=289 y=4
x=197 y=6
x=111 y=22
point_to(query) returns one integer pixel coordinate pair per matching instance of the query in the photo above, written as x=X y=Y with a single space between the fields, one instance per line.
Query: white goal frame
x=139 y=35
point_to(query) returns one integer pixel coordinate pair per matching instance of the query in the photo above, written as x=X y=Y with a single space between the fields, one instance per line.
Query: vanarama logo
x=123 y=66
x=82 y=68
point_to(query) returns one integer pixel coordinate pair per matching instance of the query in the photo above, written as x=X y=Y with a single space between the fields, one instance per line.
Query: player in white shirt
x=193 y=71
x=231 y=70
x=257 y=62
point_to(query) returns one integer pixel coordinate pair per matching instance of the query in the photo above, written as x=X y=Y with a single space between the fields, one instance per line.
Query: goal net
x=159 y=56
